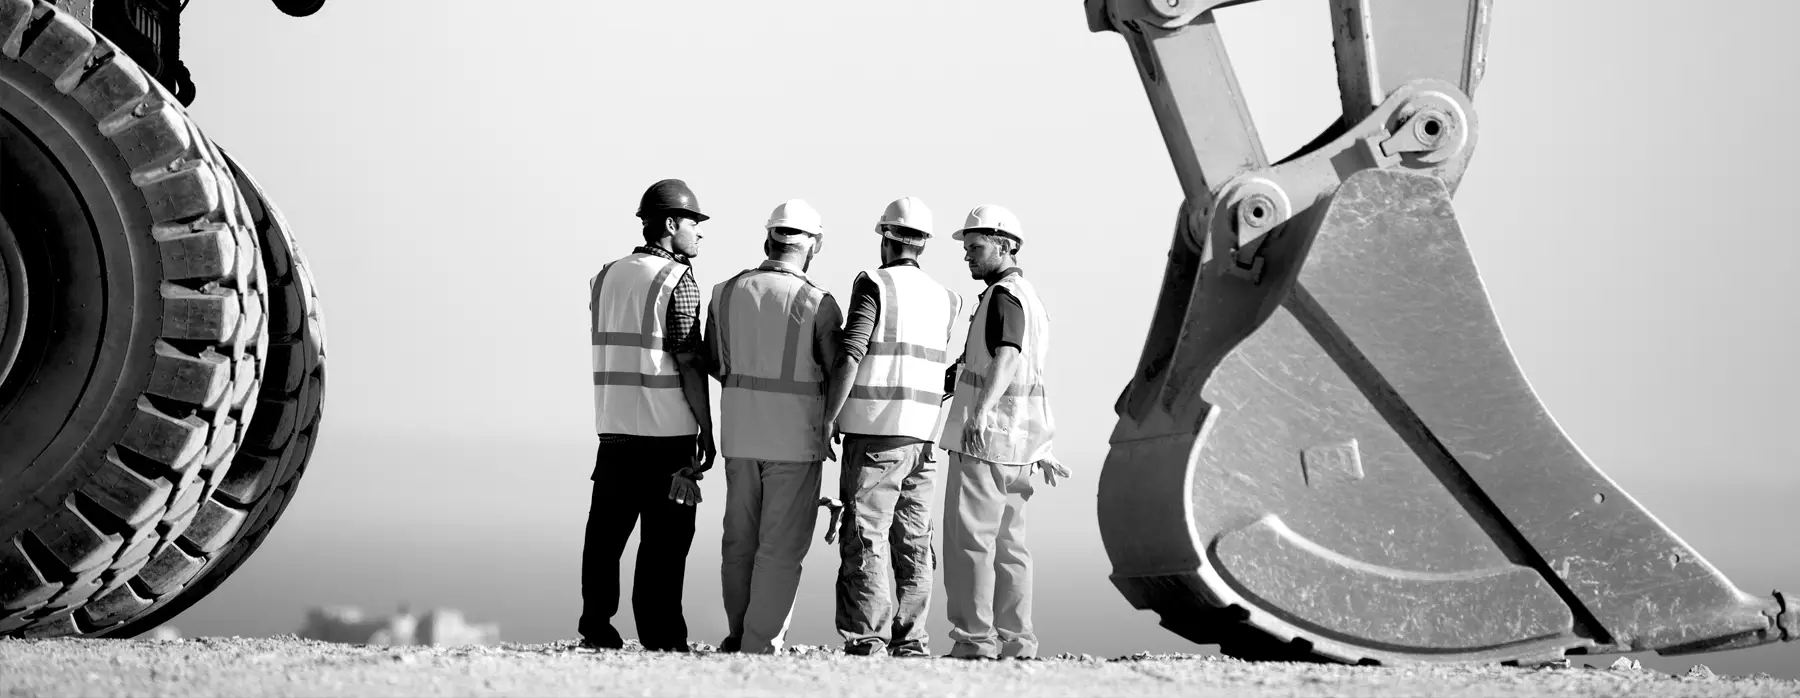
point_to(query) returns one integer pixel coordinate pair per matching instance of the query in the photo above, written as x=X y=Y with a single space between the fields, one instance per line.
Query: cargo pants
x=987 y=569
x=884 y=580
x=770 y=510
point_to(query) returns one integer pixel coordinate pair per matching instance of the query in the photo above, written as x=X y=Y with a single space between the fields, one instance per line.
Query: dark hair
x=653 y=225
x=773 y=247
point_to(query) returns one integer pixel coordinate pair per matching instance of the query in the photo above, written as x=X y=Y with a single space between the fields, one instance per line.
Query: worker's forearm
x=999 y=378
x=692 y=369
x=837 y=391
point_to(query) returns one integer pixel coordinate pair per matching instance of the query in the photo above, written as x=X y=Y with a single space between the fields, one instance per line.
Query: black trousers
x=631 y=482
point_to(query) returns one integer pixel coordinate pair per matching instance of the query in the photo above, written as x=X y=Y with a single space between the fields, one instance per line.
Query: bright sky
x=457 y=174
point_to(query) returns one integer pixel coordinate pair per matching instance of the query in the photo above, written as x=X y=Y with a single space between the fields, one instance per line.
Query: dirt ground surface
x=290 y=667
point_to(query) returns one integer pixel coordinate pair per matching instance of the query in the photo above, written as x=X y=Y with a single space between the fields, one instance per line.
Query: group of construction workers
x=797 y=377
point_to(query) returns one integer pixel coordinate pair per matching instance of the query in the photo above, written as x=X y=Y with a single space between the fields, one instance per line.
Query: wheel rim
x=14 y=300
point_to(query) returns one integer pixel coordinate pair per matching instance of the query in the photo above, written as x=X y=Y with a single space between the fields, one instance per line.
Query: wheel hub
x=13 y=299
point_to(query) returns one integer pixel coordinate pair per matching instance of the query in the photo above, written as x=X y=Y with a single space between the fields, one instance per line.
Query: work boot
x=863 y=649
x=602 y=644
x=731 y=644
x=910 y=649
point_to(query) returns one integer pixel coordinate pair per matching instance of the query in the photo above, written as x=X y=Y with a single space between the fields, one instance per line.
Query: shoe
x=908 y=651
x=731 y=644
x=972 y=657
x=863 y=649
x=587 y=644
x=676 y=649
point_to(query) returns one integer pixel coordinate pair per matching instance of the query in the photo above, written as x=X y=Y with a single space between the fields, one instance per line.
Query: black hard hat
x=670 y=195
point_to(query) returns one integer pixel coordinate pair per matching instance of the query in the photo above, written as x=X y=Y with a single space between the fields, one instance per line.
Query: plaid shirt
x=683 y=320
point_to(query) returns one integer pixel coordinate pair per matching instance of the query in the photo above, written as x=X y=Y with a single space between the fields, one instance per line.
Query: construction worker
x=654 y=422
x=771 y=335
x=886 y=398
x=998 y=431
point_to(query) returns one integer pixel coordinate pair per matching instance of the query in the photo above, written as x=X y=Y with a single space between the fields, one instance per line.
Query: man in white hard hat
x=771 y=333
x=886 y=398
x=653 y=420
x=998 y=431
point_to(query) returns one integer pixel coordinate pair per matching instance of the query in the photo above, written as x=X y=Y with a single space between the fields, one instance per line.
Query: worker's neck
x=999 y=272
x=890 y=257
x=792 y=261
x=666 y=244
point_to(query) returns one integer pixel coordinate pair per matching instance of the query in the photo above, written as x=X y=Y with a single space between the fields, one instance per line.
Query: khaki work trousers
x=884 y=579
x=770 y=510
x=987 y=570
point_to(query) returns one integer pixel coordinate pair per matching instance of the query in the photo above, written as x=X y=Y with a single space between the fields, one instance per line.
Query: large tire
x=263 y=478
x=144 y=335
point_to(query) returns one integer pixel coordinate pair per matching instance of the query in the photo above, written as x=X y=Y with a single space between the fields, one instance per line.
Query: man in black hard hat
x=654 y=423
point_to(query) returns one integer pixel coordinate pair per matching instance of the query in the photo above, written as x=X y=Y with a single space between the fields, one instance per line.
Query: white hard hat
x=906 y=212
x=992 y=217
x=795 y=214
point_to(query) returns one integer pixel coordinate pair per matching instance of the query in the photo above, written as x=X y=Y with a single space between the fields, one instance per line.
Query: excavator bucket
x=1328 y=450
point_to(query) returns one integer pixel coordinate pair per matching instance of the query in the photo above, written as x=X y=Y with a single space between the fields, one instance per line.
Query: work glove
x=836 y=508
x=683 y=489
x=1052 y=470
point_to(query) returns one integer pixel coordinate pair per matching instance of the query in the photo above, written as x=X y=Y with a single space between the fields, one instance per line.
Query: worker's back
x=637 y=389
x=773 y=399
x=898 y=386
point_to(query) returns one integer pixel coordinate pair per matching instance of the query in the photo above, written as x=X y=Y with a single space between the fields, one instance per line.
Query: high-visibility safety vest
x=637 y=389
x=1020 y=430
x=772 y=403
x=899 y=385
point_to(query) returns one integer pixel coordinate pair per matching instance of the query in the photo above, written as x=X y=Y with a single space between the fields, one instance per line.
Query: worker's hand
x=975 y=433
x=836 y=508
x=1052 y=470
x=705 y=452
x=683 y=489
x=830 y=435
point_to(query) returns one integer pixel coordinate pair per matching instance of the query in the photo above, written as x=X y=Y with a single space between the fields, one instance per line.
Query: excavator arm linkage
x=1328 y=449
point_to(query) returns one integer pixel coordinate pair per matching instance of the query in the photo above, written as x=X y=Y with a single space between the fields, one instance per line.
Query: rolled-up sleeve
x=683 y=321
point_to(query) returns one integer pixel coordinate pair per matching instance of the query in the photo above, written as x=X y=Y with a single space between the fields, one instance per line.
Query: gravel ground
x=290 y=667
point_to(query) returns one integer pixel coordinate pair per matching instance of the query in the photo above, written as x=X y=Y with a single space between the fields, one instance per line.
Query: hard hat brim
x=958 y=235
x=687 y=212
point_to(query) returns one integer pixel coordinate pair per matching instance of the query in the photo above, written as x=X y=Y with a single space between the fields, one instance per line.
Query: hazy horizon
x=456 y=175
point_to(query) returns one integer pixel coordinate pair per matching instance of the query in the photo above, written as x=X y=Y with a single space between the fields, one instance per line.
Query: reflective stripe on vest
x=637 y=387
x=1020 y=429
x=772 y=402
x=898 y=390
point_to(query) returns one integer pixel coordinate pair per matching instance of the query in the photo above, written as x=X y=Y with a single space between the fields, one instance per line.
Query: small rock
x=1626 y=664
x=1701 y=671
